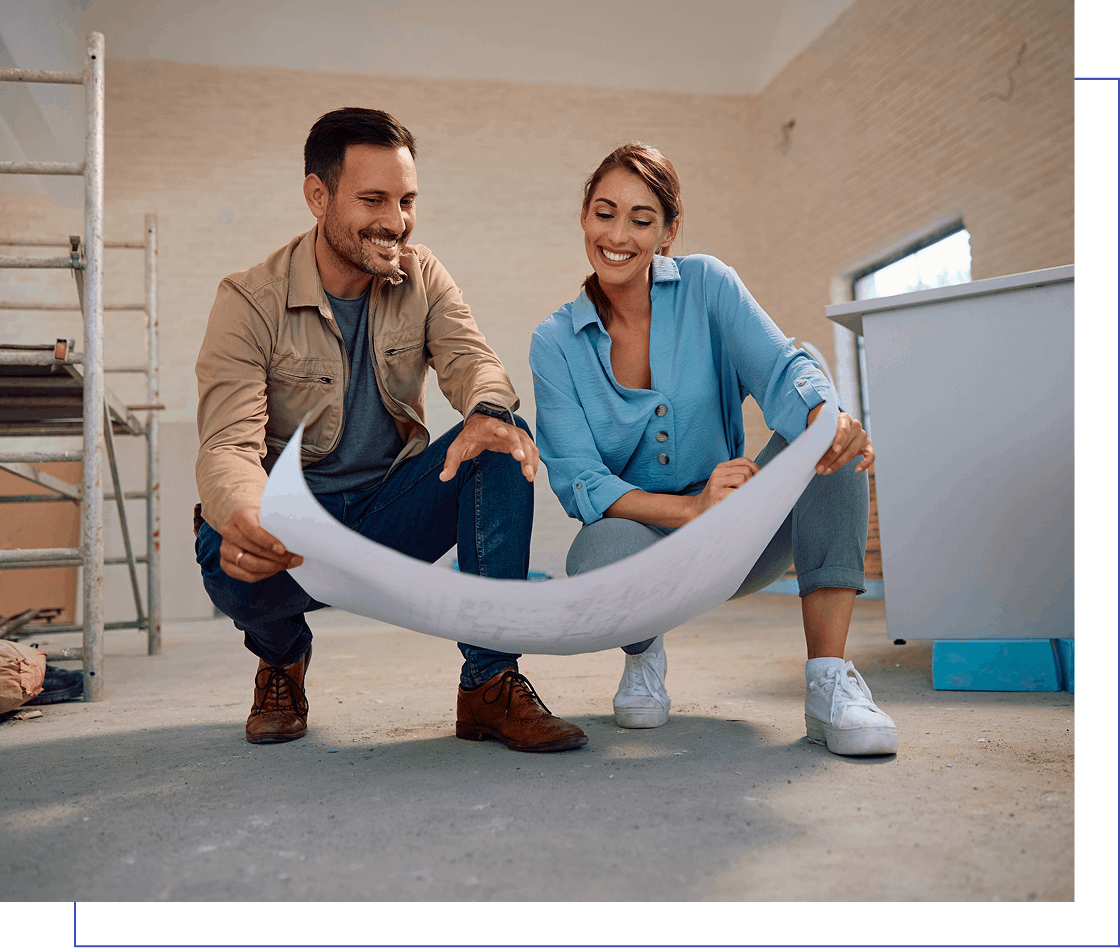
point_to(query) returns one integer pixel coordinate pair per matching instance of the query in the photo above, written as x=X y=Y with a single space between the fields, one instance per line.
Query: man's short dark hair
x=325 y=149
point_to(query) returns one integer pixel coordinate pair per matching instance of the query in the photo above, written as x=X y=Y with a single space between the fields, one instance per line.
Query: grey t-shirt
x=370 y=441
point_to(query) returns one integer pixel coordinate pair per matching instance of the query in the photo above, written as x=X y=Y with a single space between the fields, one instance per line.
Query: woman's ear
x=670 y=236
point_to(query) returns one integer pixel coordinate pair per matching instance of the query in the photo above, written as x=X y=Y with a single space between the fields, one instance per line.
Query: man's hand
x=251 y=553
x=850 y=440
x=483 y=433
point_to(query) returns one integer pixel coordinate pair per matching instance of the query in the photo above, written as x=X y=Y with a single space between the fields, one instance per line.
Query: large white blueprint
x=689 y=572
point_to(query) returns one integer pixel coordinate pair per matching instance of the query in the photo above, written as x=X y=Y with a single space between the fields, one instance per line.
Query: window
x=945 y=261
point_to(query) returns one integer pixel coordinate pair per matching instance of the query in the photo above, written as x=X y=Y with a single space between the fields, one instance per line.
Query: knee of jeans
x=857 y=482
x=274 y=599
x=581 y=554
x=843 y=484
x=507 y=462
x=605 y=542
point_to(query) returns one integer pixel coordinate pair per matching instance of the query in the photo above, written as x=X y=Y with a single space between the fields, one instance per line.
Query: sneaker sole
x=474 y=732
x=852 y=742
x=640 y=717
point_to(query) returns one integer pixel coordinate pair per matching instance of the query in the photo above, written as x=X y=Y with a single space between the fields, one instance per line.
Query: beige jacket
x=272 y=354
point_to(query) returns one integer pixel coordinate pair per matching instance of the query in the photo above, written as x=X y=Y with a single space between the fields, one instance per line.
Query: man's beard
x=358 y=253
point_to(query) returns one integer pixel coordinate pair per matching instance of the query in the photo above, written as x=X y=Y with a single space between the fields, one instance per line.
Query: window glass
x=945 y=263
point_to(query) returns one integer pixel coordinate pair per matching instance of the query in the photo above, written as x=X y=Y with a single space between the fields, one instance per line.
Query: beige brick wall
x=898 y=121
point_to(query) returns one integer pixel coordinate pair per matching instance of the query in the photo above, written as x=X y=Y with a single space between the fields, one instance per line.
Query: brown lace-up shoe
x=279 y=703
x=508 y=709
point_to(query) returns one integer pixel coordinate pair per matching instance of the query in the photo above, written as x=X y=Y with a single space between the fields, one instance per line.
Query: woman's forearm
x=658 y=510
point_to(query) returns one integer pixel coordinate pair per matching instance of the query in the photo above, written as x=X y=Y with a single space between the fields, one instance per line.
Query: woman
x=639 y=388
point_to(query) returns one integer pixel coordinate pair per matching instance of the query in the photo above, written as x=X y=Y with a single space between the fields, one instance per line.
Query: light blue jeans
x=824 y=537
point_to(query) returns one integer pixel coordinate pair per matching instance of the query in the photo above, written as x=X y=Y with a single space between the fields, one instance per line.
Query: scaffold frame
x=46 y=379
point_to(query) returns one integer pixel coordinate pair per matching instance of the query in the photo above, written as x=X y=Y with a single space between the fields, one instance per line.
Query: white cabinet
x=971 y=395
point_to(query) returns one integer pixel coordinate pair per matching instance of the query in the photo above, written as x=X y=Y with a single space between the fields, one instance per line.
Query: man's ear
x=316 y=194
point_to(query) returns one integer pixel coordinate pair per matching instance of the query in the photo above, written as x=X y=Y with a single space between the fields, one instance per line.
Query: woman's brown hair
x=656 y=173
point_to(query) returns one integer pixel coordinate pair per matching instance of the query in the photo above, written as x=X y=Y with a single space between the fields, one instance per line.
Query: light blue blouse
x=711 y=345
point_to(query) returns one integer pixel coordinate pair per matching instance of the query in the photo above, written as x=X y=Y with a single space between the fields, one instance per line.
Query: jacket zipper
x=304 y=378
x=392 y=352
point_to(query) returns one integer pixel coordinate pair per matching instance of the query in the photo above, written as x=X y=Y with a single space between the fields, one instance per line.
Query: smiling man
x=340 y=327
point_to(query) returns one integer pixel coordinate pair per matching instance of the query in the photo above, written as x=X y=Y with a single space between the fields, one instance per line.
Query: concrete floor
x=153 y=793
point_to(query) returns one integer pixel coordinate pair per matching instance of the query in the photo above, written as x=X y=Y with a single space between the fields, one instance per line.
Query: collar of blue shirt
x=584 y=314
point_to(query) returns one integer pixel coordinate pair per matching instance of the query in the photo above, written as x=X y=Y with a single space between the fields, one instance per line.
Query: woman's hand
x=850 y=440
x=675 y=510
x=726 y=477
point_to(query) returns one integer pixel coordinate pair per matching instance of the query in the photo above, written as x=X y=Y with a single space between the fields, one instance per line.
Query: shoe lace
x=280 y=691
x=507 y=684
x=850 y=691
x=638 y=673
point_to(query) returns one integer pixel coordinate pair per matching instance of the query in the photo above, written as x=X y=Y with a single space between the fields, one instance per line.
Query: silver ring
x=240 y=554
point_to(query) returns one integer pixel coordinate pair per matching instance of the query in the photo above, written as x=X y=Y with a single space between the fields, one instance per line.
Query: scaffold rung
x=12 y=74
x=39 y=263
x=42 y=167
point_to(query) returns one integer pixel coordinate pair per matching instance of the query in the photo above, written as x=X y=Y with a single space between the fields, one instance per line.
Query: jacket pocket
x=311 y=388
x=402 y=358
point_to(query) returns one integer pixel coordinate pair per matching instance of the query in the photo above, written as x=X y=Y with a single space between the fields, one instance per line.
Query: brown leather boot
x=507 y=709
x=279 y=703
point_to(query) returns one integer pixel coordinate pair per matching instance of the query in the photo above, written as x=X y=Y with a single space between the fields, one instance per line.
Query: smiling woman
x=640 y=385
x=632 y=209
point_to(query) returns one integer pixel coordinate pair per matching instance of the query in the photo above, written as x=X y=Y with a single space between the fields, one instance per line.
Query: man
x=341 y=326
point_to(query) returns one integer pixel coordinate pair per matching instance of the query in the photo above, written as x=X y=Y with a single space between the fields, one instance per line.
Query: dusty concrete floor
x=153 y=794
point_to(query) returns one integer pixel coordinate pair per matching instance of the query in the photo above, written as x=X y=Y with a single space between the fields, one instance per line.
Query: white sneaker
x=841 y=714
x=641 y=699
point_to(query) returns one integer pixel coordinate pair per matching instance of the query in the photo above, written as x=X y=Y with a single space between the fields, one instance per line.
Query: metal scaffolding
x=50 y=390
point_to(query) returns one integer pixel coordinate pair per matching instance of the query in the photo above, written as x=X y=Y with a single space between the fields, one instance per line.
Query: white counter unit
x=971 y=396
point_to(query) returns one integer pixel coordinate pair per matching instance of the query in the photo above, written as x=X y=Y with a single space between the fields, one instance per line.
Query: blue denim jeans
x=487 y=509
x=824 y=536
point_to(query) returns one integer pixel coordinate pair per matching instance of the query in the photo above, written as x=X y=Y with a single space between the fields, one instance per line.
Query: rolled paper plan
x=689 y=572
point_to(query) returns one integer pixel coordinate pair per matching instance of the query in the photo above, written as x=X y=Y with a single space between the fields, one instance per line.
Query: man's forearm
x=226 y=481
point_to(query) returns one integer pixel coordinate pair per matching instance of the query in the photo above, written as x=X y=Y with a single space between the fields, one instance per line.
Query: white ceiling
x=726 y=47
x=732 y=47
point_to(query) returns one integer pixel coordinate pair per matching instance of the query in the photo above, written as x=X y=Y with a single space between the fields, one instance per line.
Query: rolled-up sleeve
x=577 y=474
